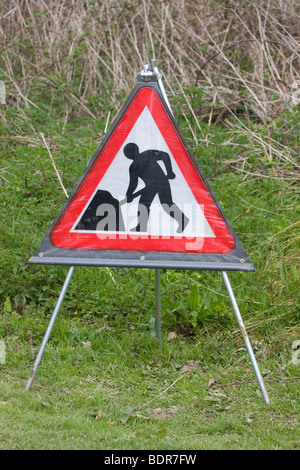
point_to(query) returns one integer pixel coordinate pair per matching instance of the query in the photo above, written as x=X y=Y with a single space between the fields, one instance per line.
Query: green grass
x=104 y=383
x=107 y=395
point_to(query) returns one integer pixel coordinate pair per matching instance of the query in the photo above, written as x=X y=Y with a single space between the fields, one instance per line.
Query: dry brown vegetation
x=231 y=62
x=241 y=52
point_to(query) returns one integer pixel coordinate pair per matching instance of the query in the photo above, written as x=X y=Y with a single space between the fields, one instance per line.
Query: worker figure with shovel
x=145 y=166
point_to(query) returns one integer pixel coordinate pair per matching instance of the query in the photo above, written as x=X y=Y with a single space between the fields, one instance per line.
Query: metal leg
x=160 y=84
x=245 y=336
x=50 y=326
x=158 y=305
x=157 y=271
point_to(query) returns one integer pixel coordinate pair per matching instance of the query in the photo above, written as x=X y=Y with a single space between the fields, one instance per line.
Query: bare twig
x=54 y=166
x=162 y=393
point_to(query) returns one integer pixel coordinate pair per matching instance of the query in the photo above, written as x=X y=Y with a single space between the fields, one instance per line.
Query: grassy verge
x=119 y=391
x=104 y=383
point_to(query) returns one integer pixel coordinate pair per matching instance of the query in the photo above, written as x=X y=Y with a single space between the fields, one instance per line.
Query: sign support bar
x=245 y=337
x=157 y=271
x=158 y=305
x=50 y=327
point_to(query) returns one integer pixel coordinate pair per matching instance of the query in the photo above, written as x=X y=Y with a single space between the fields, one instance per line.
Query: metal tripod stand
x=148 y=70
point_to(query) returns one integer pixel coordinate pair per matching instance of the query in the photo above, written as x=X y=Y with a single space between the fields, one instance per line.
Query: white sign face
x=147 y=136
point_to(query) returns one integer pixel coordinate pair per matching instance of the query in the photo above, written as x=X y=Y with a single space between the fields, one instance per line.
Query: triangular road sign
x=143 y=201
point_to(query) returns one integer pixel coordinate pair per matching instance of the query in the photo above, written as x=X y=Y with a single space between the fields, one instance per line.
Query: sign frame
x=235 y=260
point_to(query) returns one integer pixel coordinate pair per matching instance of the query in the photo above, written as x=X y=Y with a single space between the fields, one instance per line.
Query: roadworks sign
x=143 y=201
